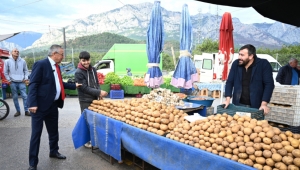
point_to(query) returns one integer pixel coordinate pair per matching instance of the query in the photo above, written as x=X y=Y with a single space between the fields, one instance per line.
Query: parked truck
x=122 y=56
x=210 y=65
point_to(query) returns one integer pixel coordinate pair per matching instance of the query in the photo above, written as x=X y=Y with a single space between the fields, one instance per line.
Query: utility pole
x=65 y=45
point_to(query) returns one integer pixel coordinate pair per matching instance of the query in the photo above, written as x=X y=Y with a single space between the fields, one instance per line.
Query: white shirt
x=58 y=90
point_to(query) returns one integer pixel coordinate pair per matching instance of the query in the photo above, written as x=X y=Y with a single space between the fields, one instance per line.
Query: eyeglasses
x=62 y=54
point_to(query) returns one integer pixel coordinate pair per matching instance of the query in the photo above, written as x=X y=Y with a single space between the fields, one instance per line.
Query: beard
x=244 y=62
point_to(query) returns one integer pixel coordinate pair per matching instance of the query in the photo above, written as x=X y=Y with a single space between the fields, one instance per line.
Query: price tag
x=243 y=114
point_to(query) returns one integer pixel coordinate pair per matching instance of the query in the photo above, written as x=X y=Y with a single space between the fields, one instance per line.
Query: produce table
x=164 y=153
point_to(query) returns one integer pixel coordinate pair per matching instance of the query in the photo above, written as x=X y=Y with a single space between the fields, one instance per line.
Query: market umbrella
x=155 y=42
x=7 y=36
x=226 y=48
x=185 y=73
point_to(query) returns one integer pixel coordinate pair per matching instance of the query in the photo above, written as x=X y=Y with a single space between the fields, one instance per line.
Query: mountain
x=132 y=21
x=9 y=46
x=25 y=39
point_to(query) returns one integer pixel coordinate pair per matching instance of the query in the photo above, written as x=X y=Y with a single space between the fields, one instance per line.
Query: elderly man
x=16 y=72
x=289 y=74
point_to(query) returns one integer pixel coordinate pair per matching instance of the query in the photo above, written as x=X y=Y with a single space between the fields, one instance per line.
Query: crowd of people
x=249 y=84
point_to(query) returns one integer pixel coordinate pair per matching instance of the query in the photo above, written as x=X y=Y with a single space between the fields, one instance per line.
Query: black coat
x=284 y=75
x=90 y=89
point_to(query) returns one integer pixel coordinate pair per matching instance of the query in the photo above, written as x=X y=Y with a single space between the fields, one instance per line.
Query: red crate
x=115 y=87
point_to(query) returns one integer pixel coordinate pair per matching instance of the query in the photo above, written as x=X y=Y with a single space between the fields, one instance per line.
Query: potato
x=246 y=138
x=235 y=151
x=258 y=166
x=257 y=146
x=241 y=144
x=289 y=148
x=257 y=140
x=238 y=139
x=266 y=167
x=221 y=153
x=242 y=149
x=248 y=162
x=267 y=141
x=283 y=136
x=258 y=153
x=209 y=149
x=233 y=145
x=288 y=133
x=270 y=162
x=249 y=144
x=282 y=152
x=267 y=154
x=284 y=143
x=293 y=167
x=165 y=127
x=280 y=166
x=247 y=131
x=257 y=129
x=228 y=150
x=277 y=146
x=243 y=155
x=296 y=153
x=260 y=160
x=227 y=155
x=235 y=128
x=276 y=139
x=270 y=134
x=252 y=157
x=297 y=162
x=234 y=157
x=250 y=150
x=262 y=134
x=220 y=148
x=295 y=143
x=230 y=138
x=287 y=160
x=296 y=136
x=276 y=157
x=241 y=161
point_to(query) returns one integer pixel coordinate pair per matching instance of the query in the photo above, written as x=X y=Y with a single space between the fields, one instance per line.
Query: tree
x=207 y=46
x=167 y=62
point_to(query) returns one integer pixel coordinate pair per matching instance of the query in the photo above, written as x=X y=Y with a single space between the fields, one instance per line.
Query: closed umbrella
x=226 y=48
x=185 y=73
x=155 y=42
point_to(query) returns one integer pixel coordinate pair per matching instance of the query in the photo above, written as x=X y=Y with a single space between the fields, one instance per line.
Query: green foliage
x=207 y=46
x=112 y=78
x=167 y=81
x=126 y=81
x=168 y=62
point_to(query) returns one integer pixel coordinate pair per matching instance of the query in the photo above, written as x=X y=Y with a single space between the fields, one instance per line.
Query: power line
x=20 y=6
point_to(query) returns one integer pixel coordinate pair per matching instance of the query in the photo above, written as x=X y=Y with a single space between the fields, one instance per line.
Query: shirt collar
x=52 y=62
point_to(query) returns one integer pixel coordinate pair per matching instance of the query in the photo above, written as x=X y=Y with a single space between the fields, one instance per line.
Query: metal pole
x=65 y=46
x=72 y=57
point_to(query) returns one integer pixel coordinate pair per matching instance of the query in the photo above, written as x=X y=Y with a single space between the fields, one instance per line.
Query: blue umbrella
x=155 y=41
x=185 y=73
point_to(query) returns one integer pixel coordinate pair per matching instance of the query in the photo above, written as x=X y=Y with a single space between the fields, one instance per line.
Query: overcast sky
x=42 y=15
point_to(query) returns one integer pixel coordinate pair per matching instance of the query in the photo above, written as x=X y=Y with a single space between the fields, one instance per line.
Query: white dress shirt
x=58 y=90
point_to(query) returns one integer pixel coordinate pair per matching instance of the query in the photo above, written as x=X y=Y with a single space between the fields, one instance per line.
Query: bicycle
x=4 y=109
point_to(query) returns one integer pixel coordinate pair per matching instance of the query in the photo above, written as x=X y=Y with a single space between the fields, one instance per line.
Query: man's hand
x=103 y=94
x=78 y=85
x=33 y=109
x=264 y=107
x=226 y=102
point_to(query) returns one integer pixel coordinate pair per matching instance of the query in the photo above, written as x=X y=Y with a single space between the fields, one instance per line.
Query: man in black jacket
x=289 y=74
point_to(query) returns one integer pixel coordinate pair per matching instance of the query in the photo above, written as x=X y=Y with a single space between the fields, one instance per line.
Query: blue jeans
x=15 y=87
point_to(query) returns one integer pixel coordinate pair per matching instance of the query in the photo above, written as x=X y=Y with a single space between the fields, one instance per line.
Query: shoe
x=27 y=113
x=32 y=168
x=17 y=114
x=57 y=155
x=88 y=145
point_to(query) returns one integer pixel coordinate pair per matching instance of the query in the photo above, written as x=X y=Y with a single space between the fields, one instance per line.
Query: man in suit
x=46 y=94
x=251 y=80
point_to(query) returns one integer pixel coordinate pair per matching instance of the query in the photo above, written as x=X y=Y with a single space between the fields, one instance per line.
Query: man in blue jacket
x=45 y=95
x=251 y=81
x=289 y=74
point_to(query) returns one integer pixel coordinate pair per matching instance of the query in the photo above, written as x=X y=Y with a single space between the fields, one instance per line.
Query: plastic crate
x=116 y=94
x=285 y=115
x=207 y=102
x=289 y=95
x=115 y=87
x=232 y=109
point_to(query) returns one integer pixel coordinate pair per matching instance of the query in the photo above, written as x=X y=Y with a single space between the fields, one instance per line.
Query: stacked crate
x=285 y=105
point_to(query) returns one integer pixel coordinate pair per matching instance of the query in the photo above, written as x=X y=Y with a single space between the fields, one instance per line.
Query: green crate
x=232 y=109
x=136 y=89
x=105 y=87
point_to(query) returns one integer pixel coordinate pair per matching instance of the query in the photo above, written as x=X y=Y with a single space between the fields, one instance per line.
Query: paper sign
x=193 y=118
x=243 y=114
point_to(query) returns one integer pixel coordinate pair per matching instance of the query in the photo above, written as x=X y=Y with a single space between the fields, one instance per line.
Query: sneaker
x=88 y=145
x=17 y=114
x=27 y=113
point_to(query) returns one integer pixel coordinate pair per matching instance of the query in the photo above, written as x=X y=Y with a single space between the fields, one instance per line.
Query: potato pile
x=248 y=141
x=142 y=113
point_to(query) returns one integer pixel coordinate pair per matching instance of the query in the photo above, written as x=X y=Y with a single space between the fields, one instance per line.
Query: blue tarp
x=157 y=150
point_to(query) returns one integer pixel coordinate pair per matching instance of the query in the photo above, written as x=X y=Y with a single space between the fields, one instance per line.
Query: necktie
x=60 y=82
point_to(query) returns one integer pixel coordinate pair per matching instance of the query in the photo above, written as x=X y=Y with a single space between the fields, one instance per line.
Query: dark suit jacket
x=42 y=87
x=261 y=83
x=285 y=74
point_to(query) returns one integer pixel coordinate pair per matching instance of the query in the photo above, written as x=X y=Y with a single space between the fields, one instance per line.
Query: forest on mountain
x=98 y=44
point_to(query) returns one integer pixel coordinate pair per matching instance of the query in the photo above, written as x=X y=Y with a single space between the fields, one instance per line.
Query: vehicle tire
x=4 y=109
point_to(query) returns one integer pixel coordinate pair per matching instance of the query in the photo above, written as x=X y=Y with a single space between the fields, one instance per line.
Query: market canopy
x=286 y=11
x=7 y=36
